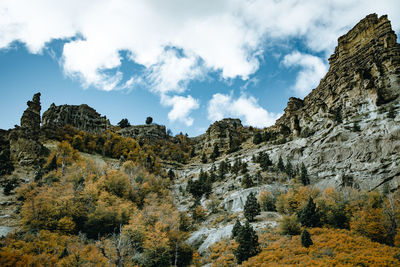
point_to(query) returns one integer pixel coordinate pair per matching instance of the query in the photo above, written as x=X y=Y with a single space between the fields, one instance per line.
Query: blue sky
x=185 y=63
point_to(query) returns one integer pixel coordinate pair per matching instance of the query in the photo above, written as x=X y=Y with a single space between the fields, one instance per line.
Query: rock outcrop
x=151 y=132
x=6 y=166
x=227 y=133
x=363 y=75
x=81 y=117
x=25 y=149
x=347 y=129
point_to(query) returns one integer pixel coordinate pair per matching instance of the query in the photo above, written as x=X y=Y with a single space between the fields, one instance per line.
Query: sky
x=186 y=63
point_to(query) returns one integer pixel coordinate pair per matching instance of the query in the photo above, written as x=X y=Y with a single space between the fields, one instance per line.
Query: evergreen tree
x=215 y=153
x=52 y=165
x=392 y=113
x=247 y=181
x=236 y=166
x=257 y=138
x=248 y=243
x=244 y=169
x=124 y=123
x=251 y=208
x=204 y=158
x=338 y=115
x=149 y=120
x=306 y=240
x=171 y=174
x=304 y=175
x=213 y=176
x=258 y=177
x=192 y=152
x=237 y=227
x=289 y=169
x=281 y=165
x=264 y=161
x=309 y=216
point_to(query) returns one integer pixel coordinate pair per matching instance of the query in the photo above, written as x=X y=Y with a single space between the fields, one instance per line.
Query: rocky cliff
x=6 y=166
x=151 y=132
x=25 y=148
x=81 y=117
x=350 y=118
x=227 y=134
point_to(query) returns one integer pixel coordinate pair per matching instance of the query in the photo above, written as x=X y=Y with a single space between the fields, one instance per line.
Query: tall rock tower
x=25 y=148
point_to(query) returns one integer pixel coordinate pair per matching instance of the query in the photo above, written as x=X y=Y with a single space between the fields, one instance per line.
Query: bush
x=267 y=201
x=149 y=120
x=290 y=225
x=306 y=239
x=10 y=185
x=124 y=123
x=257 y=138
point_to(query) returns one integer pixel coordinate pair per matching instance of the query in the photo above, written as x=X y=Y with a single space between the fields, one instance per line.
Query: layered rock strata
x=25 y=148
x=81 y=117
x=151 y=132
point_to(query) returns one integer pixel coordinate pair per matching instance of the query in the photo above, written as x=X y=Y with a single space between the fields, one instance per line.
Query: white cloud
x=312 y=70
x=225 y=36
x=173 y=72
x=181 y=108
x=244 y=107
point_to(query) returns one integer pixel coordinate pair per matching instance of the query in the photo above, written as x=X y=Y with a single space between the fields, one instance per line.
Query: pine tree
x=289 y=169
x=236 y=166
x=204 y=158
x=248 y=243
x=257 y=138
x=392 y=113
x=304 y=175
x=309 y=216
x=237 y=227
x=281 y=165
x=149 y=120
x=264 y=161
x=215 y=153
x=171 y=174
x=251 y=207
x=247 y=181
x=306 y=240
x=124 y=123
x=244 y=168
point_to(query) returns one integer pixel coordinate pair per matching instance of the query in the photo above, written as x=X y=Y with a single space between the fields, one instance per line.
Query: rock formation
x=350 y=118
x=6 y=166
x=363 y=75
x=81 y=117
x=25 y=149
x=151 y=132
x=228 y=134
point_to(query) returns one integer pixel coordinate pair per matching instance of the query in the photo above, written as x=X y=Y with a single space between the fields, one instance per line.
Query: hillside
x=77 y=190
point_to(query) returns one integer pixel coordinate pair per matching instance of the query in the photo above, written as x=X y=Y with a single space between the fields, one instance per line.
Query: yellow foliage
x=222 y=254
x=332 y=247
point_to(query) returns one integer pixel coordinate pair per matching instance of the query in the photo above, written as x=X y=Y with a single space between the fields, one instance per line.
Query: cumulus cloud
x=244 y=107
x=312 y=70
x=181 y=108
x=225 y=36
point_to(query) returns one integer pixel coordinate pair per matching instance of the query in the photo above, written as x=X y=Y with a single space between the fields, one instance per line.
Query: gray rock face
x=346 y=131
x=152 y=132
x=351 y=115
x=25 y=149
x=227 y=133
x=81 y=117
x=235 y=201
x=6 y=166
